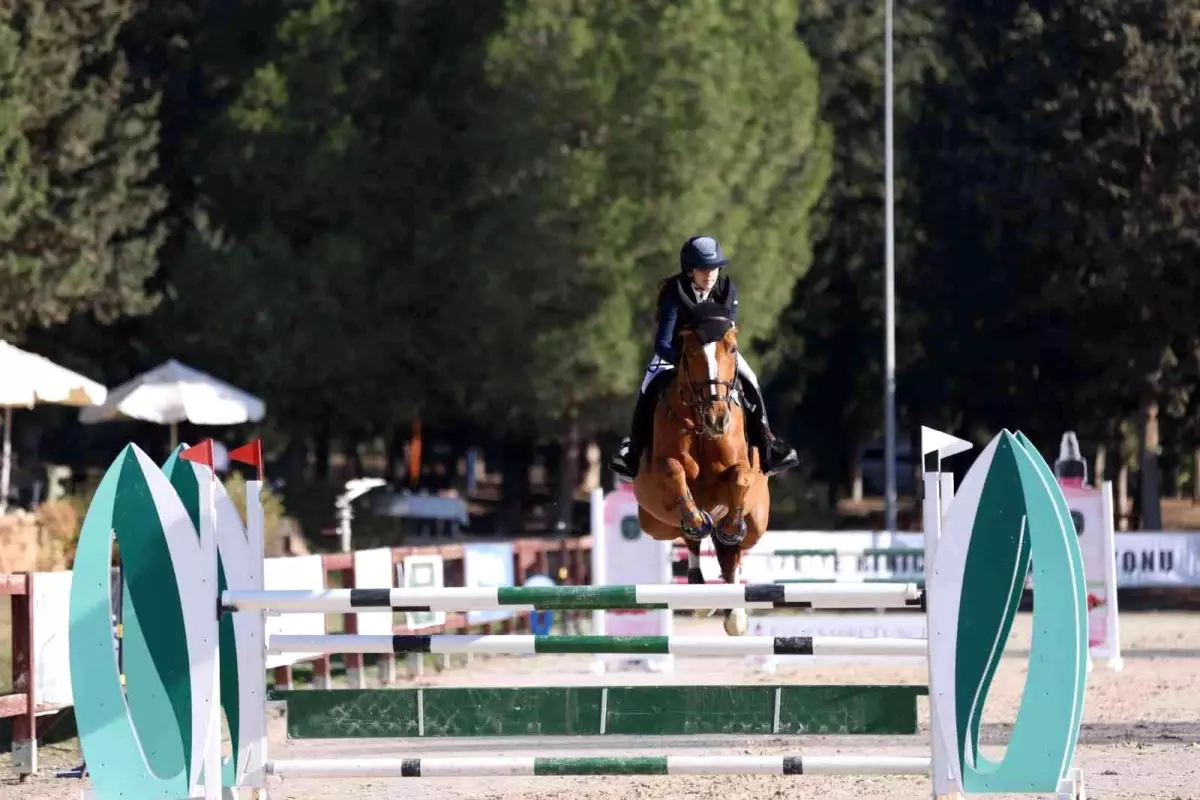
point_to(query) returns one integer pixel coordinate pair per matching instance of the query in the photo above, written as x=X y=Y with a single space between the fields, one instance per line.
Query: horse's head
x=708 y=370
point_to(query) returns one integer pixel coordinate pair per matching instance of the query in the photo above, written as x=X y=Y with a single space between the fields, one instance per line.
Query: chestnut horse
x=699 y=477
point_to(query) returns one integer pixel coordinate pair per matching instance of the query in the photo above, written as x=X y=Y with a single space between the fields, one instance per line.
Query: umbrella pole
x=174 y=438
x=6 y=460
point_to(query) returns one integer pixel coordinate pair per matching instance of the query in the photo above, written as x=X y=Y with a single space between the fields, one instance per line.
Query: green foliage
x=370 y=212
x=1057 y=183
x=78 y=135
x=324 y=182
x=378 y=215
x=630 y=127
x=831 y=338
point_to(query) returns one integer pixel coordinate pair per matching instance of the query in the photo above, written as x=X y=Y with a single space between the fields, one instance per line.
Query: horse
x=700 y=477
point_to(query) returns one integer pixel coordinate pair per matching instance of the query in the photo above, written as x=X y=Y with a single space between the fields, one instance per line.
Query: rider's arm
x=668 y=316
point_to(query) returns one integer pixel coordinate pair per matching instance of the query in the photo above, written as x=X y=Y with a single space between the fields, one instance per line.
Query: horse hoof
x=695 y=576
x=697 y=533
x=730 y=533
x=736 y=622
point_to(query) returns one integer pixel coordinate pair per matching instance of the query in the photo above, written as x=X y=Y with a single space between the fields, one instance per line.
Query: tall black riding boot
x=628 y=458
x=778 y=456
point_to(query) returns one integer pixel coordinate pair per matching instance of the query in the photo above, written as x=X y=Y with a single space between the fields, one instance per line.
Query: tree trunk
x=294 y=459
x=472 y=462
x=1195 y=474
x=591 y=467
x=1169 y=470
x=353 y=455
x=1149 y=483
x=514 y=490
x=856 y=485
x=1122 y=477
x=396 y=460
x=322 y=441
x=568 y=473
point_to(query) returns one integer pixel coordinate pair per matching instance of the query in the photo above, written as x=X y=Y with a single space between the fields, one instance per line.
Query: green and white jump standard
x=157 y=740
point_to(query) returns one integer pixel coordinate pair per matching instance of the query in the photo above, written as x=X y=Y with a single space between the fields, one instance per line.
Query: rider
x=699 y=281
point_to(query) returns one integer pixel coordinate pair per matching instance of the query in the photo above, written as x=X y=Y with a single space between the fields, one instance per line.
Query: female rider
x=699 y=281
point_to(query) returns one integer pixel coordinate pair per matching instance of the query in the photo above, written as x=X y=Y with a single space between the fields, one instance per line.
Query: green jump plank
x=576 y=711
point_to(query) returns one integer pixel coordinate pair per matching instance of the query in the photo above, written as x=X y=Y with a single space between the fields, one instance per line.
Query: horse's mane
x=710 y=321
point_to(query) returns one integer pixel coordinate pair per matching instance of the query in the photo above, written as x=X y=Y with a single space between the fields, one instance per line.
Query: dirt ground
x=1140 y=737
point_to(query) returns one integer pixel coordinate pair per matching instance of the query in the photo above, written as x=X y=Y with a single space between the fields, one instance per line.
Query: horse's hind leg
x=737 y=621
x=694 y=574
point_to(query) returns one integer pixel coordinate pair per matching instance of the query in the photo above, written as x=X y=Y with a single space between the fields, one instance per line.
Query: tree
x=78 y=135
x=629 y=127
x=1054 y=173
x=434 y=220
x=831 y=337
x=325 y=176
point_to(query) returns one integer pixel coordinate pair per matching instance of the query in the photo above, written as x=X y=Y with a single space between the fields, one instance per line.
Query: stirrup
x=622 y=472
x=782 y=463
x=620 y=463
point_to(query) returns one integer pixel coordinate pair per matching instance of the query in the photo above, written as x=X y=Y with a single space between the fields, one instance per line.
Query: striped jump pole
x=635 y=765
x=852 y=580
x=872 y=563
x=762 y=596
x=507 y=644
x=825 y=552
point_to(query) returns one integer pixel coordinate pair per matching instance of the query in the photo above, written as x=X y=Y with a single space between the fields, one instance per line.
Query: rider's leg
x=627 y=460
x=779 y=455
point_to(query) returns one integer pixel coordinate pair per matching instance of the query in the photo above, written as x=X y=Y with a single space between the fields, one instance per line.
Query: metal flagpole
x=889 y=281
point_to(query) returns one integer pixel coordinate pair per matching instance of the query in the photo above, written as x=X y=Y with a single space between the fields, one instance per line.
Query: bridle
x=693 y=396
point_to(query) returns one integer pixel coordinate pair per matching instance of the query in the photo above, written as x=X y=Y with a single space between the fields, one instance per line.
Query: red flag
x=414 y=454
x=200 y=454
x=250 y=453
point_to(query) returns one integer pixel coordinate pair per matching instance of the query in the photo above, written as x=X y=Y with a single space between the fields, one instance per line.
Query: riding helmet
x=701 y=252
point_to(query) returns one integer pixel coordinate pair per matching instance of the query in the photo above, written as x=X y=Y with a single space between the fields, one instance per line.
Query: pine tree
x=631 y=126
x=1057 y=189
x=831 y=338
x=78 y=227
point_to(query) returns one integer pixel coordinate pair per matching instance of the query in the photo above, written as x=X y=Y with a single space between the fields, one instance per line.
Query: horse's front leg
x=732 y=529
x=737 y=621
x=693 y=522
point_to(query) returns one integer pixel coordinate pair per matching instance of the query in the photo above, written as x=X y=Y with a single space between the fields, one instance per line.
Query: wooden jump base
x=340 y=601
x=180 y=540
x=425 y=767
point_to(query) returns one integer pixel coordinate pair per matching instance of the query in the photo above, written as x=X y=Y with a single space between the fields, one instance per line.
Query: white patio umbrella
x=172 y=393
x=27 y=379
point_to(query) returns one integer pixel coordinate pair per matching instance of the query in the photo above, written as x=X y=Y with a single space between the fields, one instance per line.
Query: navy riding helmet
x=701 y=252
